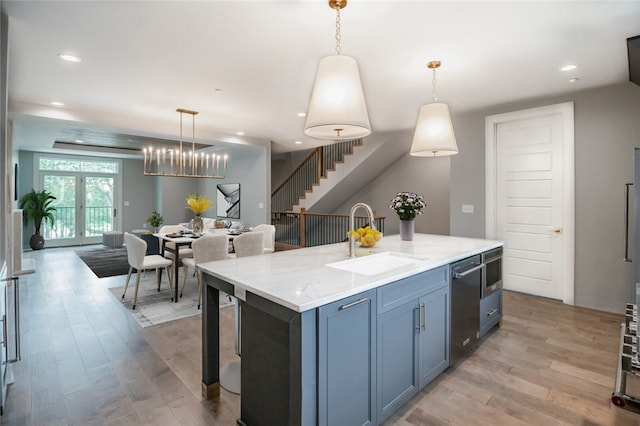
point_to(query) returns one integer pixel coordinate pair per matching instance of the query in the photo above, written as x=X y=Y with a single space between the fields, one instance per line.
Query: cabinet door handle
x=492 y=312
x=419 y=320
x=423 y=308
x=4 y=330
x=352 y=304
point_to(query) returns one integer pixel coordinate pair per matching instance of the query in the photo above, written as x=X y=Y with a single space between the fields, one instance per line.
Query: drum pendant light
x=337 y=109
x=434 y=136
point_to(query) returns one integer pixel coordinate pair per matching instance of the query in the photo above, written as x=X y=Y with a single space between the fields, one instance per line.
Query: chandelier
x=181 y=162
x=337 y=109
x=434 y=136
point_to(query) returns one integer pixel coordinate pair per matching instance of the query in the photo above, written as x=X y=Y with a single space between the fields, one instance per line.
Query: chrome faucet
x=372 y=225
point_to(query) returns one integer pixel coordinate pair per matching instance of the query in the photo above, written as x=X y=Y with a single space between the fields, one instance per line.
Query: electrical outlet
x=467 y=208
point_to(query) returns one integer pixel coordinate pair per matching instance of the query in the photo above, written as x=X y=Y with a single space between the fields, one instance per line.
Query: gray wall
x=428 y=177
x=138 y=191
x=251 y=168
x=174 y=192
x=25 y=184
x=607 y=128
x=4 y=66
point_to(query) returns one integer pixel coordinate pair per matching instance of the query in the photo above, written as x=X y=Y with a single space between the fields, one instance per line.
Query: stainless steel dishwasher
x=466 y=279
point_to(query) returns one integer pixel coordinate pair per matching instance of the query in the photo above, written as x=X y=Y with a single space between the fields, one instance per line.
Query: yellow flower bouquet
x=198 y=203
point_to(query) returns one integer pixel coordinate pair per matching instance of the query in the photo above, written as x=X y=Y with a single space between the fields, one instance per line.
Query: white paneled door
x=530 y=195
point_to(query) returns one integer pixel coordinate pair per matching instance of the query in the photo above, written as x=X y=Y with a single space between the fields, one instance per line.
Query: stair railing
x=314 y=167
x=306 y=229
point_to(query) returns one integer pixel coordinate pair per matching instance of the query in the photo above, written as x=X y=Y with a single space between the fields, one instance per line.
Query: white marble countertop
x=300 y=280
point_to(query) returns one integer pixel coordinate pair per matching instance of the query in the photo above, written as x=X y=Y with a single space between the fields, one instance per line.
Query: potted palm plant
x=156 y=220
x=37 y=206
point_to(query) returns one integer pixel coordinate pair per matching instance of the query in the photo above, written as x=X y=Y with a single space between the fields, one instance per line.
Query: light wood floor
x=85 y=361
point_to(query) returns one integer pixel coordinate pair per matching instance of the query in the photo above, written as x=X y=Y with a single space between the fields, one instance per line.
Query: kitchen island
x=321 y=340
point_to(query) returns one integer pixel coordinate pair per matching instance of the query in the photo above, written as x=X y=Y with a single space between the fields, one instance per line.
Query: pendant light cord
x=338 y=35
x=433 y=87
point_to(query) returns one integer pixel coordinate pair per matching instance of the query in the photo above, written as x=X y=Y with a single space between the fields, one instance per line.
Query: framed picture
x=228 y=200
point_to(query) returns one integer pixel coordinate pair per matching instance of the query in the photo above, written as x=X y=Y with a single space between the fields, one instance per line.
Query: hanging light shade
x=337 y=109
x=434 y=135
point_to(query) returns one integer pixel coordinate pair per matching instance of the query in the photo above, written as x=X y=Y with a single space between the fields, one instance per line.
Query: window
x=77 y=165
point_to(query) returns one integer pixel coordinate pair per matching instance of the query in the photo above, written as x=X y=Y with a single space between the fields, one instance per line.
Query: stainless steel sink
x=377 y=263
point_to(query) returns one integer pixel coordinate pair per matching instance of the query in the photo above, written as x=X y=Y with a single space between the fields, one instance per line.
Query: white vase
x=406 y=230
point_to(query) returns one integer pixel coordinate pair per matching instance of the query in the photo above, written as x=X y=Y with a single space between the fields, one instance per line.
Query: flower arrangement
x=407 y=205
x=198 y=203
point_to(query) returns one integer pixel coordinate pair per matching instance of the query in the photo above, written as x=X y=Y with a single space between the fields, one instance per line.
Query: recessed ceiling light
x=574 y=80
x=79 y=141
x=569 y=67
x=56 y=103
x=69 y=57
x=217 y=91
x=298 y=142
x=302 y=114
x=240 y=133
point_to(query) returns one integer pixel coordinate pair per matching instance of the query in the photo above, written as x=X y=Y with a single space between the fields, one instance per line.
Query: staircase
x=327 y=179
x=318 y=164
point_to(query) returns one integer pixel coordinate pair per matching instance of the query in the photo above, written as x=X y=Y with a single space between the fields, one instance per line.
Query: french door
x=85 y=207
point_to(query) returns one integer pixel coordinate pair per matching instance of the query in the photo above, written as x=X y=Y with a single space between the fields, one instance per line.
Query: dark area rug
x=105 y=262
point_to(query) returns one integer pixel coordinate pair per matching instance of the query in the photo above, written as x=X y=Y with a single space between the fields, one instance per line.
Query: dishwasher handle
x=458 y=275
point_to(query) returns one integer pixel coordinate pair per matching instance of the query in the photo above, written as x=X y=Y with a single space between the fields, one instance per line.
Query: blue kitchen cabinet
x=490 y=311
x=397 y=358
x=434 y=337
x=413 y=327
x=346 y=361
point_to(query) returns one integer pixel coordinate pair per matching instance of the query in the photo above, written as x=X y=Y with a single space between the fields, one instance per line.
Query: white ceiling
x=143 y=59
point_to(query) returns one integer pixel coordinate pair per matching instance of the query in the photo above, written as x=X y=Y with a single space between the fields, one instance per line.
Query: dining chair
x=138 y=260
x=269 y=236
x=208 y=248
x=185 y=252
x=247 y=244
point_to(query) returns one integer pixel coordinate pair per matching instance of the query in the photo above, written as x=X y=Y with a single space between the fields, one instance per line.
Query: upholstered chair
x=138 y=260
x=269 y=236
x=185 y=252
x=208 y=248
x=249 y=244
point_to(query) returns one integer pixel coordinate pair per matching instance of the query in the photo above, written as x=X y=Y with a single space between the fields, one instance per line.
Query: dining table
x=184 y=240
